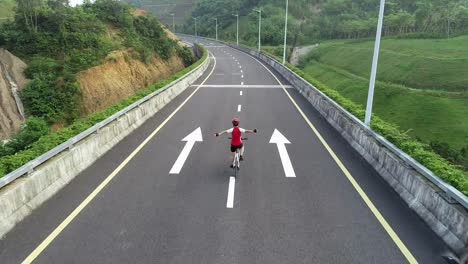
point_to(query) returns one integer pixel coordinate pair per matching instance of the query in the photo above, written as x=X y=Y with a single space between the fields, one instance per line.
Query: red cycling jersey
x=236 y=133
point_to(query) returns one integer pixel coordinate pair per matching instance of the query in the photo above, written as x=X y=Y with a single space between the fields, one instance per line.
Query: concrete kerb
x=19 y=198
x=447 y=219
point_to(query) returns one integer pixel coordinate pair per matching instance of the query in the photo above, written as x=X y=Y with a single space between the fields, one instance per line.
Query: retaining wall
x=20 y=197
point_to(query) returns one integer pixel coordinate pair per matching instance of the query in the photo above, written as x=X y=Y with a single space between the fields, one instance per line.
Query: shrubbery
x=33 y=129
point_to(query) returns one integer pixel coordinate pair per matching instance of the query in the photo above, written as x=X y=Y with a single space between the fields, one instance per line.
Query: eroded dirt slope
x=121 y=76
x=11 y=76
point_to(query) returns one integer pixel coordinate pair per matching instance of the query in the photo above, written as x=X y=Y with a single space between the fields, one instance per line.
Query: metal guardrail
x=31 y=165
x=448 y=189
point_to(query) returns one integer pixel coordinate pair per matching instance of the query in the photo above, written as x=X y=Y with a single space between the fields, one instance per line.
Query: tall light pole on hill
x=375 y=61
x=173 y=22
x=195 y=26
x=285 y=32
x=259 y=11
x=237 y=16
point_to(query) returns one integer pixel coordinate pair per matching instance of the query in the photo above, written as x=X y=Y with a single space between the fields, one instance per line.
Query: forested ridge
x=312 y=20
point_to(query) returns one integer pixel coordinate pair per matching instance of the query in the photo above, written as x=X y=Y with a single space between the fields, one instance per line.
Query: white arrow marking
x=281 y=141
x=193 y=137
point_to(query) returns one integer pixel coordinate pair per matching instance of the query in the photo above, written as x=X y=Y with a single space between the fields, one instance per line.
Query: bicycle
x=236 y=161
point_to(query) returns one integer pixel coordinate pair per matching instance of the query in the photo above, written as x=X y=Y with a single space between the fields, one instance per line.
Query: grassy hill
x=6 y=9
x=422 y=85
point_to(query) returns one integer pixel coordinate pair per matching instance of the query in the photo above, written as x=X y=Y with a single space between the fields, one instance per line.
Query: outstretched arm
x=220 y=133
x=251 y=131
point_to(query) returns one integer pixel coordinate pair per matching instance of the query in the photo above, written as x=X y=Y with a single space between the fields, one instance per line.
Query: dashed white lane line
x=242 y=76
x=230 y=197
x=242 y=71
x=240 y=93
x=242 y=83
x=239 y=107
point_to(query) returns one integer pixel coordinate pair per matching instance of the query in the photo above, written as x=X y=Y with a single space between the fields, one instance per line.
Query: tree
x=28 y=12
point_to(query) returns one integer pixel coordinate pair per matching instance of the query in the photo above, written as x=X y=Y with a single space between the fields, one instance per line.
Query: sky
x=75 y=2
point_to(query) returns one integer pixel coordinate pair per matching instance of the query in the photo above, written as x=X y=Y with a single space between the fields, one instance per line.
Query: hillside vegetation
x=6 y=9
x=421 y=86
x=58 y=41
x=163 y=9
x=314 y=20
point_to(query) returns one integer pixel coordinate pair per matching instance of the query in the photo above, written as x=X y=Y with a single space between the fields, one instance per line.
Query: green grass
x=435 y=64
x=6 y=9
x=426 y=114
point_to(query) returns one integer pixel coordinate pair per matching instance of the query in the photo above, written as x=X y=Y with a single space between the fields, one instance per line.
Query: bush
x=33 y=129
x=186 y=54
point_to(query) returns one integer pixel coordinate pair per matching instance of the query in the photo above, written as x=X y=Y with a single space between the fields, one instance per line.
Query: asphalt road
x=147 y=215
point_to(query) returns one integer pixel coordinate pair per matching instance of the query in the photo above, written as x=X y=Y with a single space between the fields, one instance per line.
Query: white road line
x=244 y=86
x=240 y=67
x=239 y=108
x=240 y=93
x=242 y=76
x=242 y=71
x=230 y=197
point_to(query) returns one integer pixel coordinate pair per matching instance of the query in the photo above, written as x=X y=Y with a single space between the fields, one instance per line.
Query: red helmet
x=235 y=121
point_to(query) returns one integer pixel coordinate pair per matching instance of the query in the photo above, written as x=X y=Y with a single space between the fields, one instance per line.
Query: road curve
x=148 y=215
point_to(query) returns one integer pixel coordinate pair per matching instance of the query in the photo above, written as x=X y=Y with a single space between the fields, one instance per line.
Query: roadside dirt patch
x=120 y=77
x=11 y=76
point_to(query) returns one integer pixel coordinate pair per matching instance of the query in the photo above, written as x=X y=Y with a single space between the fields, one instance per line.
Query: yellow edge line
x=103 y=184
x=404 y=250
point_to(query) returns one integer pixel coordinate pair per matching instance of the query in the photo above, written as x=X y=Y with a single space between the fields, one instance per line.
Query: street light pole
x=237 y=16
x=195 y=26
x=370 y=96
x=285 y=32
x=259 y=11
x=216 y=19
x=173 y=22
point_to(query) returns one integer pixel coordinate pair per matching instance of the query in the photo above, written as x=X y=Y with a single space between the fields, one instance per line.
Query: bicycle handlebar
x=241 y=138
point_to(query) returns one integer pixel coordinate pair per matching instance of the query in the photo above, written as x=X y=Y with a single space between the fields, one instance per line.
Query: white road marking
x=242 y=71
x=195 y=136
x=242 y=76
x=243 y=86
x=240 y=67
x=239 y=108
x=240 y=93
x=280 y=140
x=230 y=197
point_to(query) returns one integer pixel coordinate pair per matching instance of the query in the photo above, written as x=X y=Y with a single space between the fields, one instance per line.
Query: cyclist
x=236 y=135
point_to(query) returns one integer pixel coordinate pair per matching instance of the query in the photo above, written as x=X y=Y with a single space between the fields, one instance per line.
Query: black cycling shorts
x=234 y=148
